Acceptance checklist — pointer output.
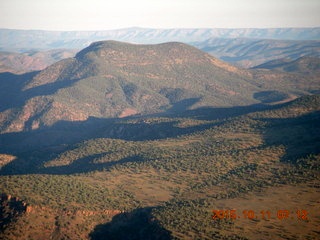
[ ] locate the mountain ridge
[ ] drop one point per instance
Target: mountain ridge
(303, 65)
(112, 79)
(32, 60)
(250, 52)
(19, 39)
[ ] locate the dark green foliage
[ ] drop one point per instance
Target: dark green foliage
(72, 192)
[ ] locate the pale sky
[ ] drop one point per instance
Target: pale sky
(104, 15)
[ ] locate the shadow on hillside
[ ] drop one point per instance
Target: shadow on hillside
(12, 94)
(136, 128)
(270, 96)
(182, 106)
(300, 136)
(136, 225)
(36, 147)
(11, 87)
(84, 165)
(33, 149)
(212, 113)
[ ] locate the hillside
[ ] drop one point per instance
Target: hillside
(114, 79)
(31, 60)
(167, 187)
(303, 65)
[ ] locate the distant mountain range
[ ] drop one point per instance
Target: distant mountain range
(32, 60)
(245, 53)
(250, 52)
(19, 40)
(28, 50)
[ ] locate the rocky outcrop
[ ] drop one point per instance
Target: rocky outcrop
(11, 208)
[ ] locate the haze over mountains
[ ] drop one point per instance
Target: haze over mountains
(20, 39)
(242, 47)
(32, 60)
(250, 52)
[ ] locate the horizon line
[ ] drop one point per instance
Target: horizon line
(151, 28)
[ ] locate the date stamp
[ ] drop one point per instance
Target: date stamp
(281, 214)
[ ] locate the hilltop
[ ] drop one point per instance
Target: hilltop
(115, 79)
(31, 49)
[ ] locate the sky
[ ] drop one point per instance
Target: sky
(76, 15)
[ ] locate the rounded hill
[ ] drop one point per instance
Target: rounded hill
(117, 79)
